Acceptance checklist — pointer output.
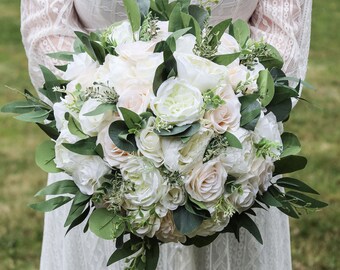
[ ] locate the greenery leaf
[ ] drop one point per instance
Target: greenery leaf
(174, 131)
(78, 220)
(233, 141)
(133, 13)
(132, 120)
(225, 59)
(152, 255)
(185, 221)
(63, 56)
(59, 187)
(246, 222)
(45, 155)
(273, 59)
(290, 164)
(34, 116)
(106, 224)
(265, 84)
(51, 204)
(240, 31)
(250, 109)
(200, 14)
(49, 129)
(75, 128)
(19, 107)
(291, 144)
(304, 200)
(122, 253)
(102, 108)
(220, 28)
(85, 147)
(119, 134)
(295, 184)
(280, 110)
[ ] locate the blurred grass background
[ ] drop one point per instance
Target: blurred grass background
(315, 237)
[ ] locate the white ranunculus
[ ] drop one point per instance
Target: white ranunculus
(91, 125)
(82, 66)
(148, 183)
(239, 161)
(206, 182)
(114, 156)
(174, 197)
(88, 172)
(227, 116)
(185, 44)
(177, 102)
(121, 33)
(167, 232)
(228, 45)
(264, 169)
(198, 71)
(183, 157)
(149, 143)
(144, 222)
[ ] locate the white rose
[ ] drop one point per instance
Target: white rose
(91, 125)
(148, 183)
(121, 33)
(144, 222)
(114, 156)
(167, 232)
(237, 74)
(59, 110)
(239, 161)
(206, 182)
(177, 102)
(185, 44)
(228, 45)
(135, 51)
(264, 169)
(88, 172)
(82, 66)
(174, 197)
(244, 197)
(134, 99)
(149, 143)
(227, 116)
(210, 226)
(183, 157)
(198, 71)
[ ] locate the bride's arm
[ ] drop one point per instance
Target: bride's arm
(285, 24)
(46, 26)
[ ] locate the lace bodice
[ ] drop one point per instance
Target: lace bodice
(48, 25)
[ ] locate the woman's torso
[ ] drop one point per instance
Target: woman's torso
(96, 14)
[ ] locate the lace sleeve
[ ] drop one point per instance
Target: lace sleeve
(285, 24)
(46, 26)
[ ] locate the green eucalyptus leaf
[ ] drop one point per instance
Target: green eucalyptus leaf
(63, 56)
(291, 144)
(199, 13)
(240, 31)
(117, 132)
(175, 19)
(246, 222)
(144, 7)
(50, 130)
(51, 204)
(45, 155)
(233, 141)
(288, 209)
(290, 164)
(220, 28)
(86, 41)
(19, 107)
(75, 211)
(201, 241)
(105, 224)
(122, 253)
(295, 184)
(269, 199)
(75, 128)
(81, 198)
(280, 110)
(85, 147)
(152, 255)
(304, 200)
(132, 120)
(34, 116)
(59, 187)
(185, 221)
(225, 59)
(102, 108)
(250, 109)
(133, 13)
(273, 59)
(266, 88)
(176, 131)
(78, 220)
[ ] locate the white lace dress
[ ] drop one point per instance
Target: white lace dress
(48, 25)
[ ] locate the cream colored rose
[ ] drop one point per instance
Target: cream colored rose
(167, 232)
(227, 116)
(121, 33)
(185, 44)
(147, 183)
(237, 74)
(174, 197)
(244, 197)
(149, 143)
(114, 156)
(177, 102)
(264, 169)
(206, 182)
(198, 71)
(135, 99)
(183, 157)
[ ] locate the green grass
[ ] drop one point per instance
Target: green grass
(315, 237)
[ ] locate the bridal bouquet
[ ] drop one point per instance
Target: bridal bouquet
(167, 129)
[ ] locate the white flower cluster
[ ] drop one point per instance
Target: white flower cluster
(167, 171)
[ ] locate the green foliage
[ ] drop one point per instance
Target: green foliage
(86, 146)
(250, 111)
(59, 187)
(266, 88)
(240, 31)
(45, 155)
(186, 221)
